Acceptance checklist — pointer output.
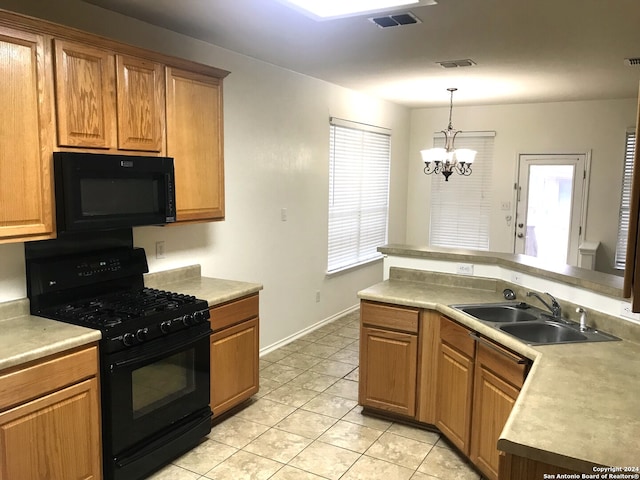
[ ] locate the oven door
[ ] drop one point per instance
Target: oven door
(149, 388)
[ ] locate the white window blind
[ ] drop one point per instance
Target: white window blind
(359, 158)
(461, 207)
(625, 201)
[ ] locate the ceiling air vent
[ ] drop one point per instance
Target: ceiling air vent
(456, 63)
(632, 62)
(395, 20)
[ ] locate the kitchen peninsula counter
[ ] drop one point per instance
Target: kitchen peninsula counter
(579, 405)
(25, 337)
(594, 281)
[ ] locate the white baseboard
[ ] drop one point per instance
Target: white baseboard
(303, 332)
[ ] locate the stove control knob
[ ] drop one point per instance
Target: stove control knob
(128, 339)
(199, 317)
(142, 334)
(165, 327)
(188, 320)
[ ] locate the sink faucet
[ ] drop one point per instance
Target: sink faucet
(554, 308)
(583, 319)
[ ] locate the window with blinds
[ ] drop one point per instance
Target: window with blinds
(625, 201)
(461, 207)
(359, 160)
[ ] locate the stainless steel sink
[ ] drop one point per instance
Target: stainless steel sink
(544, 332)
(502, 313)
(530, 324)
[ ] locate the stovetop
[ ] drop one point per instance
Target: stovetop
(130, 318)
(103, 288)
(109, 310)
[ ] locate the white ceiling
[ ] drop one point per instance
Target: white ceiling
(526, 51)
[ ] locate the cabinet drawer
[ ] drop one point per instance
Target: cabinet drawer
(234, 312)
(457, 336)
(508, 365)
(388, 316)
(22, 385)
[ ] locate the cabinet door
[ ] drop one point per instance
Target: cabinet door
(85, 96)
(388, 364)
(25, 137)
(194, 140)
(513, 467)
(56, 437)
(234, 365)
(454, 392)
(141, 104)
(498, 379)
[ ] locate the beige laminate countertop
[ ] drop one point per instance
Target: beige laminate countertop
(25, 337)
(580, 404)
(597, 282)
(188, 280)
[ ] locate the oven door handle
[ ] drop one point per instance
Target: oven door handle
(159, 353)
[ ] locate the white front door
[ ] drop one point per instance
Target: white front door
(550, 207)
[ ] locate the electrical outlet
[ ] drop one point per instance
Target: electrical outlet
(516, 277)
(317, 296)
(465, 269)
(283, 214)
(160, 249)
(625, 311)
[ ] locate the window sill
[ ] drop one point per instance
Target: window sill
(354, 266)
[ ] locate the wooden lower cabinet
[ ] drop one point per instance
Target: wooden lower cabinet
(389, 358)
(422, 365)
(499, 375)
(454, 385)
(54, 436)
(234, 353)
(513, 467)
(388, 370)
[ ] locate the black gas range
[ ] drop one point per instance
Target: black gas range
(154, 352)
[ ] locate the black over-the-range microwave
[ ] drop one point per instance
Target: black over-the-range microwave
(97, 191)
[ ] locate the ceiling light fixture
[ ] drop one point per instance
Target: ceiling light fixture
(328, 9)
(448, 159)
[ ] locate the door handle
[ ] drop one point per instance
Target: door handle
(520, 235)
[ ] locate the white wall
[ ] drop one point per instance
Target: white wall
(276, 156)
(565, 127)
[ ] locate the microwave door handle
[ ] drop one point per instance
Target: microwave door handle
(155, 355)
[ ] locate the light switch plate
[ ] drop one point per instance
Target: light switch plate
(160, 249)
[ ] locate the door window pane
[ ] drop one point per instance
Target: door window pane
(549, 212)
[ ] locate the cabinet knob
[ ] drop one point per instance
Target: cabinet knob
(520, 235)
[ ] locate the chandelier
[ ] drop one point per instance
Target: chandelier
(448, 159)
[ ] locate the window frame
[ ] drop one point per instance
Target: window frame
(479, 183)
(364, 172)
(630, 144)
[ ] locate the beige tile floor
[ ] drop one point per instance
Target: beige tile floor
(306, 425)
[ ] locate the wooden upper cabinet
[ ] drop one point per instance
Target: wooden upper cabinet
(194, 140)
(141, 104)
(25, 137)
(85, 95)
